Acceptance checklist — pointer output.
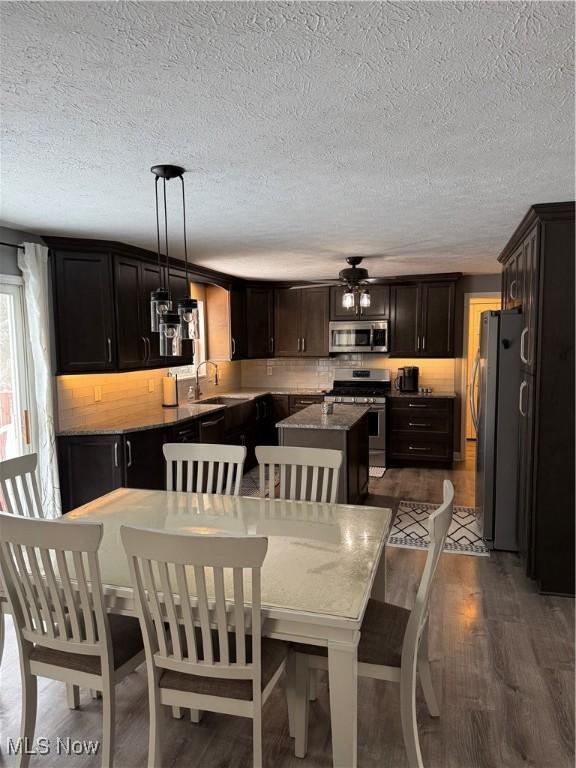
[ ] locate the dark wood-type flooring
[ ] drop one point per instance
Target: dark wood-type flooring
(502, 662)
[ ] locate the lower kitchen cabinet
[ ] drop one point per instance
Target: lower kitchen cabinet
(90, 466)
(299, 402)
(420, 431)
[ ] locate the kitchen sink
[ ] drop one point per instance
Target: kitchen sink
(229, 402)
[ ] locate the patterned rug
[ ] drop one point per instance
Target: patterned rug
(376, 471)
(410, 529)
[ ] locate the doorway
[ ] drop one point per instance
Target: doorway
(15, 435)
(475, 304)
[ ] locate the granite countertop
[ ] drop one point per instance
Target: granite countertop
(251, 392)
(417, 394)
(344, 417)
(156, 417)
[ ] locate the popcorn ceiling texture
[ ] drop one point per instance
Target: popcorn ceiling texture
(416, 131)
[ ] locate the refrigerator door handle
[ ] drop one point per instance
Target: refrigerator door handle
(521, 397)
(473, 410)
(522, 339)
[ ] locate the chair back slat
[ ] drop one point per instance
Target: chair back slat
(296, 482)
(19, 487)
(201, 585)
(204, 468)
(438, 526)
(53, 583)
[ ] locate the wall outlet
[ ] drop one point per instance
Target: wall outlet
(150, 385)
(97, 394)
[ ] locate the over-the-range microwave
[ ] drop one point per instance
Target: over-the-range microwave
(360, 336)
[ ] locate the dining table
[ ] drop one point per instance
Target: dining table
(322, 565)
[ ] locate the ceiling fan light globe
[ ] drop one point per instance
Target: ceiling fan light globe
(348, 299)
(365, 299)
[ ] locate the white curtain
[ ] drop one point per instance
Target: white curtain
(34, 265)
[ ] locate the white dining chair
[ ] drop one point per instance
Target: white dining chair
(52, 579)
(196, 607)
(20, 496)
(202, 468)
(393, 647)
(306, 474)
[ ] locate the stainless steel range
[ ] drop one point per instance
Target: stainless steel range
(365, 386)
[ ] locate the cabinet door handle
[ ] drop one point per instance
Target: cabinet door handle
(418, 343)
(233, 346)
(417, 405)
(413, 448)
(149, 348)
(109, 349)
(522, 340)
(513, 294)
(212, 423)
(416, 424)
(303, 344)
(423, 343)
(129, 446)
(271, 345)
(145, 348)
(115, 454)
(521, 398)
(298, 344)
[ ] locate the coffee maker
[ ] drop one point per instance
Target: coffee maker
(407, 379)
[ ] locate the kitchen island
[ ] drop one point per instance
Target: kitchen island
(346, 430)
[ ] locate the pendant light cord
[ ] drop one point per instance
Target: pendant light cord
(158, 230)
(166, 240)
(184, 220)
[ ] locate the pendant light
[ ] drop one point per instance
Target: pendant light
(365, 298)
(348, 298)
(187, 308)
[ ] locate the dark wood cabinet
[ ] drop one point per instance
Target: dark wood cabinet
(540, 257)
(144, 460)
(151, 277)
(420, 431)
(379, 308)
(238, 341)
(404, 305)
(130, 328)
(89, 466)
(259, 322)
(301, 322)
(299, 402)
(422, 319)
(436, 336)
(84, 310)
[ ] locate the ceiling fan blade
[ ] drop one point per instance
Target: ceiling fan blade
(313, 284)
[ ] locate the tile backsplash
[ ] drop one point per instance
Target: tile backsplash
(89, 398)
(319, 372)
(85, 399)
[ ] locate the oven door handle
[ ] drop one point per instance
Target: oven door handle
(371, 337)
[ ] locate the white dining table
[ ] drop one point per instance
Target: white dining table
(319, 572)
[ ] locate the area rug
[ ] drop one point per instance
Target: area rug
(410, 529)
(376, 471)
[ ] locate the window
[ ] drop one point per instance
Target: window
(188, 371)
(15, 437)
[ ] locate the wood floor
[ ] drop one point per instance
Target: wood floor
(502, 661)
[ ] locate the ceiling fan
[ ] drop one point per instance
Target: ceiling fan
(353, 279)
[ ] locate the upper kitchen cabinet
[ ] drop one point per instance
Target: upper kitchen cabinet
(259, 321)
(422, 318)
(84, 311)
(379, 308)
(404, 312)
(132, 334)
(437, 319)
(301, 322)
(225, 323)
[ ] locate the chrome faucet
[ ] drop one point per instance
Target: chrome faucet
(194, 392)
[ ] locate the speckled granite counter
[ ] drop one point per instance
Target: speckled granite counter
(250, 392)
(343, 418)
(157, 417)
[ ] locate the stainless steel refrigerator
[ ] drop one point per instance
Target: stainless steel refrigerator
(494, 406)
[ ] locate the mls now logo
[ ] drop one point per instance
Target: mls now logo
(44, 746)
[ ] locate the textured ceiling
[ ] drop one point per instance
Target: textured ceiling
(415, 132)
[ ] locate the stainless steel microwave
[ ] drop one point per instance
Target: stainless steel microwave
(360, 336)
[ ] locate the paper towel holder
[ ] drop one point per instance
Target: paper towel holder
(170, 391)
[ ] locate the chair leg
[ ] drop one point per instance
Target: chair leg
(313, 685)
(177, 713)
(108, 722)
(196, 715)
(425, 675)
(96, 694)
(257, 735)
(28, 720)
(290, 683)
(73, 696)
(155, 727)
(301, 705)
(408, 713)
